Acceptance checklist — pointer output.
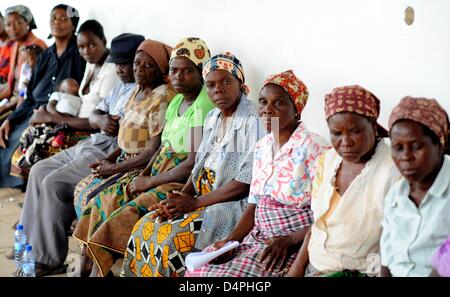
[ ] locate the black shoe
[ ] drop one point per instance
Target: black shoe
(44, 270)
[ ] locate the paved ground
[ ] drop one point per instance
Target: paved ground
(9, 214)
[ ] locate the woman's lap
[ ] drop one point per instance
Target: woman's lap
(159, 249)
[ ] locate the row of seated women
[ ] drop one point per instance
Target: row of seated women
(183, 161)
(24, 98)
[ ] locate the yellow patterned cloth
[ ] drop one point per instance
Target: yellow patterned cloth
(192, 48)
(159, 249)
(144, 119)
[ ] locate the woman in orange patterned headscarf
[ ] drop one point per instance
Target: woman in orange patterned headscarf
(278, 214)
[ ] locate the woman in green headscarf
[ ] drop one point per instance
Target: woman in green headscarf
(211, 202)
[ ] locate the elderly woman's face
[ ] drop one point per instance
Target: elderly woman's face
(184, 75)
(275, 107)
(352, 136)
(223, 89)
(16, 27)
(414, 152)
(125, 72)
(91, 47)
(145, 69)
(60, 23)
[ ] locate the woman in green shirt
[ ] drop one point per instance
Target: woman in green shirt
(107, 222)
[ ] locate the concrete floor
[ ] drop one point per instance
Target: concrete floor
(9, 214)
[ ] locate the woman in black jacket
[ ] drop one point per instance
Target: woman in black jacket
(60, 61)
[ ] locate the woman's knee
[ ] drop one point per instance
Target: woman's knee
(37, 171)
(50, 180)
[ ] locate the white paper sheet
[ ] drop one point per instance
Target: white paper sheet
(196, 260)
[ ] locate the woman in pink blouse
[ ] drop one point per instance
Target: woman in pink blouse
(278, 214)
(441, 260)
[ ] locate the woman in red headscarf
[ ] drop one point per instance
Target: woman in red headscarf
(350, 183)
(416, 209)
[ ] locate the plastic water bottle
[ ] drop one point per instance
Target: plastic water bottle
(19, 245)
(28, 262)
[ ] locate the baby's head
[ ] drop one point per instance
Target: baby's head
(31, 53)
(69, 86)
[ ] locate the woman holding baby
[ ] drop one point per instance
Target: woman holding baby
(65, 119)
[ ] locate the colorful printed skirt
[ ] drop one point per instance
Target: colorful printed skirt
(159, 249)
(91, 186)
(21, 168)
(272, 218)
(108, 219)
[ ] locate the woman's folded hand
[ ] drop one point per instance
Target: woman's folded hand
(277, 252)
(139, 184)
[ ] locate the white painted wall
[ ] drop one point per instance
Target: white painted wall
(327, 43)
